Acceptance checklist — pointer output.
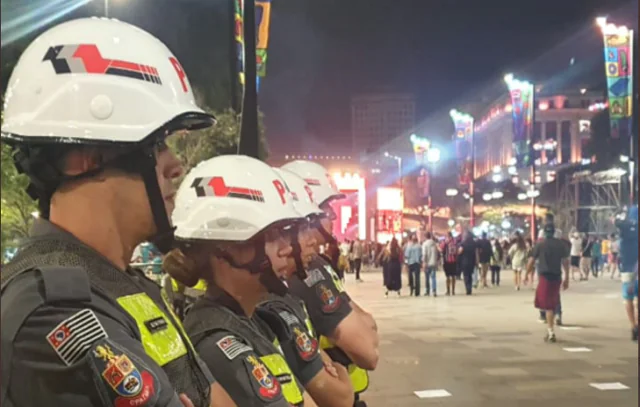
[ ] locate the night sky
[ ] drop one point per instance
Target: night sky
(323, 51)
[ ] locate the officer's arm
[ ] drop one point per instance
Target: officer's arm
(332, 316)
(240, 371)
(80, 355)
(328, 390)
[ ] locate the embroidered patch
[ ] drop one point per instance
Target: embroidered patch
(73, 337)
(128, 383)
(307, 347)
(264, 384)
(232, 347)
(330, 302)
(289, 318)
(313, 277)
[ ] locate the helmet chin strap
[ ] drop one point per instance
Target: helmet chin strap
(297, 253)
(328, 237)
(259, 265)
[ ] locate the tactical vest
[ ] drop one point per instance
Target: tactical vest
(359, 376)
(170, 347)
(204, 320)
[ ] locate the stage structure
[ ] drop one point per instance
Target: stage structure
(587, 201)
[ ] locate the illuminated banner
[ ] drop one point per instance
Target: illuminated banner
(263, 20)
(463, 135)
(618, 59)
(522, 111)
(421, 151)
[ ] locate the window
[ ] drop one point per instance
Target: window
(551, 134)
(565, 141)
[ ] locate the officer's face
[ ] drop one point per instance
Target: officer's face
(308, 243)
(168, 169)
(278, 249)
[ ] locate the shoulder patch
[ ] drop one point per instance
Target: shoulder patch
(330, 302)
(123, 379)
(232, 347)
(313, 277)
(289, 318)
(74, 336)
(263, 383)
(307, 346)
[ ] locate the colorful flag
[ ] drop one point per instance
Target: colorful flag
(263, 20)
(522, 110)
(618, 58)
(463, 136)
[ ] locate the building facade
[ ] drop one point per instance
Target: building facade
(562, 126)
(378, 118)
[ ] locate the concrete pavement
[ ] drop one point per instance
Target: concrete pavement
(488, 349)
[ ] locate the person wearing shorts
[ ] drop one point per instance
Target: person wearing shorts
(576, 252)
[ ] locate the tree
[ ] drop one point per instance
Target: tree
(17, 206)
(220, 139)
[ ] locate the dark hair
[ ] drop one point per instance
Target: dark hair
(520, 242)
(394, 248)
(188, 264)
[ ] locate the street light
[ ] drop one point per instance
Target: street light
(433, 155)
(497, 194)
(487, 197)
(451, 192)
(451, 223)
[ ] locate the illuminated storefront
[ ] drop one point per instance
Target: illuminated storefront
(390, 203)
(351, 211)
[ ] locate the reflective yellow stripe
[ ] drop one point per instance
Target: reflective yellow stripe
(201, 286)
(359, 378)
(325, 343)
(307, 321)
(162, 346)
(279, 367)
(335, 278)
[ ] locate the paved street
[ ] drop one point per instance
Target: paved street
(488, 349)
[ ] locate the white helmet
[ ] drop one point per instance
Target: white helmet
(300, 192)
(96, 80)
(318, 178)
(231, 198)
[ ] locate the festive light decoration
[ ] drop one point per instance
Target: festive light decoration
(618, 58)
(522, 93)
(463, 125)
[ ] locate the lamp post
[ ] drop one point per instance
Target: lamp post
(433, 157)
(399, 161)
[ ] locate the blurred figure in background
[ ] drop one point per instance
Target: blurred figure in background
(391, 260)
(469, 259)
(576, 252)
(596, 256)
(430, 257)
(450, 261)
(518, 254)
(413, 260)
(585, 257)
(497, 260)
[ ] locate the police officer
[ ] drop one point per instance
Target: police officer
(88, 108)
(347, 333)
(329, 386)
(231, 217)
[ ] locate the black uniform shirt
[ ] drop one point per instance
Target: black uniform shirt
(299, 344)
(326, 301)
(236, 365)
(76, 347)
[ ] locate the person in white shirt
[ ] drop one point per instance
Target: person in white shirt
(430, 264)
(576, 253)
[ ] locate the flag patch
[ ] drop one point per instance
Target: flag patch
(73, 337)
(232, 347)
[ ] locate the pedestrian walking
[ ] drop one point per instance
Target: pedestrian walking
(450, 262)
(430, 256)
(518, 254)
(413, 260)
(469, 258)
(497, 259)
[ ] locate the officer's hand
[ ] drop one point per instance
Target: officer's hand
(331, 369)
(186, 402)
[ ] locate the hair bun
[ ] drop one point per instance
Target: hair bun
(181, 268)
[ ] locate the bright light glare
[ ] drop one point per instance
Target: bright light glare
(624, 158)
(497, 195)
(522, 196)
(486, 197)
(496, 178)
(497, 169)
(433, 155)
(506, 224)
(451, 223)
(451, 192)
(35, 214)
